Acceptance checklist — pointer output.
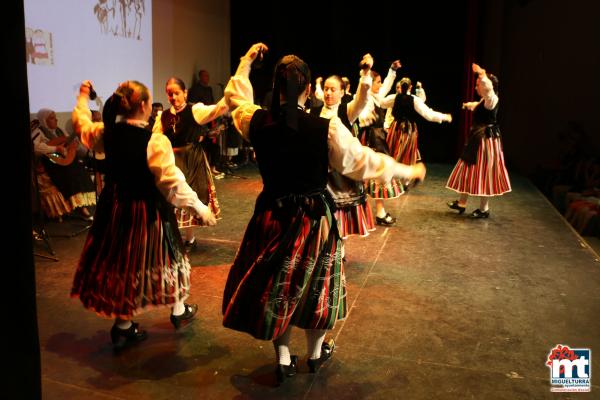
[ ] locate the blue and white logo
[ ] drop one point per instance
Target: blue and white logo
(570, 369)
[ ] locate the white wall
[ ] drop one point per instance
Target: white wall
(190, 35)
(187, 35)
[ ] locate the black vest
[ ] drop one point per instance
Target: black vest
(126, 162)
(404, 108)
(483, 116)
(181, 128)
(290, 162)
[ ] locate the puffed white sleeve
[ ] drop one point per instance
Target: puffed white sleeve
(319, 91)
(359, 102)
(239, 96)
(90, 133)
(157, 127)
(428, 113)
(203, 113)
(490, 98)
(168, 178)
(387, 84)
(350, 158)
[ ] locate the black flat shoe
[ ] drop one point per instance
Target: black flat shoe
(286, 371)
(326, 353)
(122, 338)
(454, 205)
(190, 244)
(181, 320)
(386, 221)
(480, 214)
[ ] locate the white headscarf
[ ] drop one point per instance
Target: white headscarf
(42, 116)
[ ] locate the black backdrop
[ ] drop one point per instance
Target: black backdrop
(428, 38)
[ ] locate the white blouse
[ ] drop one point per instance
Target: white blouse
(202, 113)
(420, 107)
(346, 154)
(161, 161)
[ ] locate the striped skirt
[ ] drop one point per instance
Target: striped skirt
(402, 140)
(288, 270)
(132, 258)
(487, 177)
(355, 220)
(192, 161)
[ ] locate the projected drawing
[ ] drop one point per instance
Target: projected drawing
(38, 47)
(121, 17)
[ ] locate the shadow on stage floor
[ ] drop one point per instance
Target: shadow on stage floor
(441, 306)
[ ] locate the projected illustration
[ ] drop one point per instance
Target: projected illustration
(120, 17)
(38, 46)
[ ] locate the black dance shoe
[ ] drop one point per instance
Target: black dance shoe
(454, 205)
(122, 338)
(480, 214)
(388, 220)
(286, 371)
(181, 320)
(326, 353)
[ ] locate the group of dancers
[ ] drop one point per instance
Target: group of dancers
(289, 268)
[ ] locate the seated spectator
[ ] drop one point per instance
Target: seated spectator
(55, 150)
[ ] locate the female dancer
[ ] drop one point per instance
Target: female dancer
(353, 212)
(133, 256)
(403, 136)
(480, 171)
(372, 134)
(288, 270)
(181, 124)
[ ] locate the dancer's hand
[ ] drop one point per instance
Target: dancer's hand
(367, 62)
(205, 215)
(478, 70)
(85, 88)
(319, 80)
(419, 172)
(448, 118)
(396, 64)
(256, 49)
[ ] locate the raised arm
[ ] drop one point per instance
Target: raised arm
(239, 94)
(90, 133)
(359, 102)
(388, 82)
(319, 89)
(486, 88)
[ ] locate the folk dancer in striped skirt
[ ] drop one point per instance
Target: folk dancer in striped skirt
(133, 256)
(288, 270)
(181, 125)
(403, 135)
(480, 171)
(372, 134)
(353, 212)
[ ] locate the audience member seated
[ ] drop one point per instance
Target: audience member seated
(57, 153)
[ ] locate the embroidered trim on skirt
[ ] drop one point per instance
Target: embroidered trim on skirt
(377, 190)
(288, 270)
(487, 177)
(355, 220)
(132, 259)
(402, 141)
(193, 162)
